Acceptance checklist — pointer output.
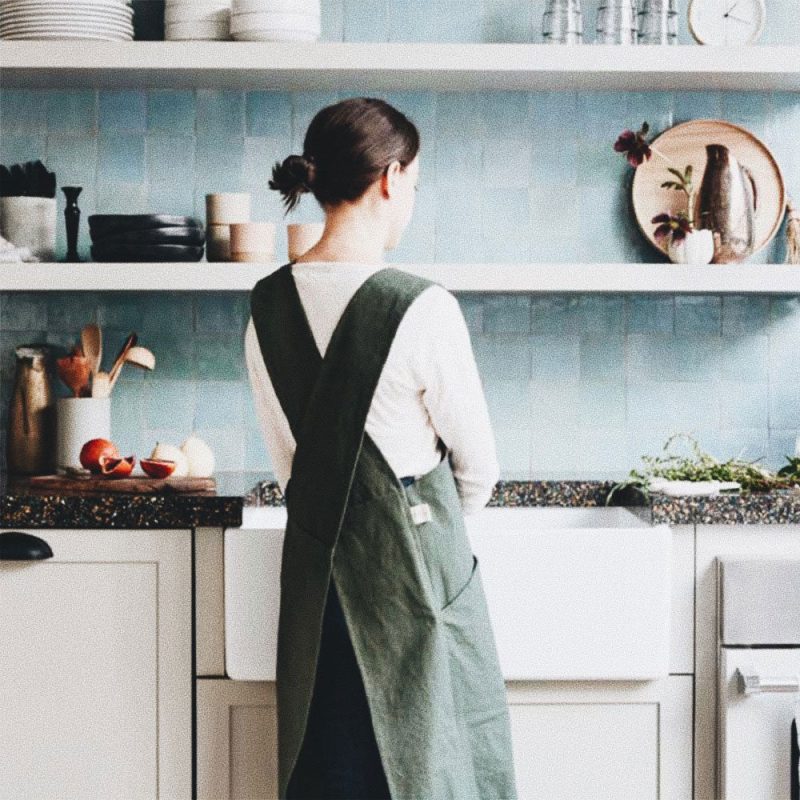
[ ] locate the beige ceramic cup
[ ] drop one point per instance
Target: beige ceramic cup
(252, 241)
(222, 209)
(302, 236)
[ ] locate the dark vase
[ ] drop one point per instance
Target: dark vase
(72, 217)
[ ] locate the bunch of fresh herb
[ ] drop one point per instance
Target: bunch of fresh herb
(702, 466)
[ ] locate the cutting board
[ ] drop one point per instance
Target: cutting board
(137, 484)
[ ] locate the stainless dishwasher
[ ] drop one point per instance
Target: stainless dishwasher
(758, 671)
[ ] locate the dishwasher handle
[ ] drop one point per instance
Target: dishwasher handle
(21, 546)
(753, 683)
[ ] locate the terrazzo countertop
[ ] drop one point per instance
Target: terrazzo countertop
(235, 490)
(749, 508)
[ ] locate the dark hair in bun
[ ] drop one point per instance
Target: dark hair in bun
(348, 145)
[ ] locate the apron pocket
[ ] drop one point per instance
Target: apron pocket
(465, 588)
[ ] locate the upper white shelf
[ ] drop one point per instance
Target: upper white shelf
(395, 65)
(502, 277)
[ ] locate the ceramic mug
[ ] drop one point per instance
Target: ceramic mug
(252, 241)
(302, 236)
(30, 222)
(79, 419)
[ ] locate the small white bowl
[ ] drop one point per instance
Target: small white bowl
(260, 21)
(275, 36)
(273, 6)
(209, 14)
(196, 30)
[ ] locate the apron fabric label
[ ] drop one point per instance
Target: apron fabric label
(421, 513)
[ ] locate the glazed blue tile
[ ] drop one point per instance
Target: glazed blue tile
(673, 405)
(506, 114)
(219, 165)
(458, 228)
(23, 311)
(472, 304)
(744, 314)
(556, 314)
(554, 407)
(332, 20)
(657, 108)
(458, 115)
(169, 404)
(698, 104)
(507, 163)
(508, 402)
(219, 404)
(177, 307)
(227, 444)
(745, 358)
(601, 404)
(73, 159)
(73, 111)
(599, 166)
(170, 170)
(18, 148)
(556, 249)
(602, 313)
(506, 356)
(120, 310)
(507, 313)
(171, 111)
(366, 21)
(599, 218)
(269, 113)
(554, 161)
(120, 158)
(70, 311)
(507, 21)
(750, 444)
(220, 114)
(749, 109)
(650, 313)
(554, 112)
(697, 356)
(744, 405)
(459, 162)
(435, 20)
(602, 115)
(216, 311)
(555, 357)
(513, 447)
(213, 359)
(784, 410)
(781, 446)
(22, 111)
(698, 314)
(505, 239)
(602, 358)
(123, 111)
(256, 455)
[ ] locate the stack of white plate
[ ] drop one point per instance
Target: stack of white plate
(111, 20)
(275, 20)
(197, 19)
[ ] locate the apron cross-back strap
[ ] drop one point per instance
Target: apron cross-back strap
(326, 400)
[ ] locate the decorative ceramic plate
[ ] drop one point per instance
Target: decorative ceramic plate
(684, 144)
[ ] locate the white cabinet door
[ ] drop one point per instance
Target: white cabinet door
(96, 667)
(592, 742)
(237, 740)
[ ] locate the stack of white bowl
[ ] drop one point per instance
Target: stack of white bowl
(197, 19)
(275, 20)
(109, 20)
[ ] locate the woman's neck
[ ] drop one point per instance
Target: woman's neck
(351, 234)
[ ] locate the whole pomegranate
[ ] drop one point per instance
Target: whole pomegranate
(92, 451)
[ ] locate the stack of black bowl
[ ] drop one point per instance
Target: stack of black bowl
(146, 237)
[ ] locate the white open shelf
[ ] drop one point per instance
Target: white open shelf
(395, 65)
(501, 277)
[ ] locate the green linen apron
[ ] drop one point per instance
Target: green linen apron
(409, 584)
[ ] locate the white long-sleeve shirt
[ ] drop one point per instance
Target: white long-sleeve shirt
(429, 384)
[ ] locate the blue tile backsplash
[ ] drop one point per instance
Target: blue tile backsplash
(578, 385)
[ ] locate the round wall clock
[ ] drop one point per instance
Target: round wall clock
(726, 21)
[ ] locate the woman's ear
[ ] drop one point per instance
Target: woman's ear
(389, 179)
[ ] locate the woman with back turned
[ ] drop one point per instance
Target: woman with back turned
(388, 683)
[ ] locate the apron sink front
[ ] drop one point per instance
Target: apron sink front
(573, 593)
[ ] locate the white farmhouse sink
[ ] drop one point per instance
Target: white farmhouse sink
(573, 593)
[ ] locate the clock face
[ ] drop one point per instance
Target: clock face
(728, 22)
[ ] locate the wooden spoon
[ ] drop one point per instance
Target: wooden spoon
(118, 361)
(140, 356)
(92, 344)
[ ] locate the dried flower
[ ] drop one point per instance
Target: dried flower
(676, 224)
(634, 145)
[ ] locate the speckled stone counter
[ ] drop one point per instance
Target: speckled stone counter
(43, 509)
(753, 508)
